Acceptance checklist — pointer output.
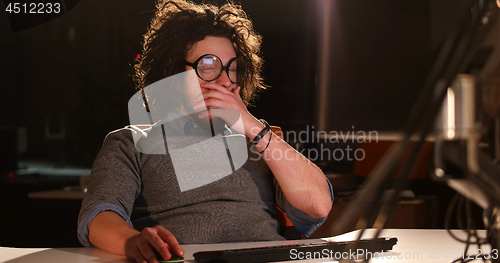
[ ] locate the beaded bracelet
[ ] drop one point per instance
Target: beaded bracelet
(262, 133)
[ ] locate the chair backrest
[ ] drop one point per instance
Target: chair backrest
(374, 151)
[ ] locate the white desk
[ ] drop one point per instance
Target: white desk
(415, 244)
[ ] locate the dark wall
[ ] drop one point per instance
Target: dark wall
(71, 74)
(290, 50)
(380, 53)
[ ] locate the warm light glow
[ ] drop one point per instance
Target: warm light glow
(11, 175)
(439, 172)
(450, 102)
(450, 133)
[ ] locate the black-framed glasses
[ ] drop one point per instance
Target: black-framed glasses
(209, 67)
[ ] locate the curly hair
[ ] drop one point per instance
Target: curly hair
(178, 24)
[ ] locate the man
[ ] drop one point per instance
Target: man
(136, 203)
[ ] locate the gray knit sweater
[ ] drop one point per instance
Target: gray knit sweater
(143, 190)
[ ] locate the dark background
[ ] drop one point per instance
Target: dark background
(65, 84)
(73, 73)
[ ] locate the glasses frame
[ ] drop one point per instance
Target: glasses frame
(194, 65)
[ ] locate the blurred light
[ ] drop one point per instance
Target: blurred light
(451, 113)
(485, 20)
(498, 3)
(11, 175)
(439, 172)
(451, 133)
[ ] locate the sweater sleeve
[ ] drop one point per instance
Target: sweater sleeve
(115, 181)
(300, 220)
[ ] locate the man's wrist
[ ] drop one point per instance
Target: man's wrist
(253, 127)
(262, 132)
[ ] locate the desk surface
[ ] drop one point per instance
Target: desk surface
(414, 245)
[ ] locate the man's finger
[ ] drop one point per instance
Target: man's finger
(161, 247)
(214, 103)
(237, 90)
(140, 259)
(147, 252)
(214, 86)
(201, 101)
(212, 94)
(172, 242)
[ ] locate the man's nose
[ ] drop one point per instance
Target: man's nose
(224, 80)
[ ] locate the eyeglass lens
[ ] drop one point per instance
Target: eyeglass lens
(210, 67)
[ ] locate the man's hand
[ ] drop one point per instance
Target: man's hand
(141, 246)
(223, 103)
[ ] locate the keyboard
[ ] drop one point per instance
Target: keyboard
(324, 250)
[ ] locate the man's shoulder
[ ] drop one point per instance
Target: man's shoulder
(125, 135)
(126, 131)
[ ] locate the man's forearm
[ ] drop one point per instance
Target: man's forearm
(109, 232)
(302, 182)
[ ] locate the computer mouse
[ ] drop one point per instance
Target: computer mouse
(173, 258)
